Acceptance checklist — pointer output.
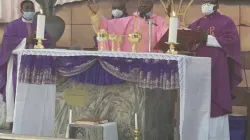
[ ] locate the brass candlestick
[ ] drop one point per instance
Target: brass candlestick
(136, 134)
(102, 36)
(39, 44)
(134, 38)
(112, 37)
(172, 48)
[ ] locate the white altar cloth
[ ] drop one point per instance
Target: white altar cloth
(195, 92)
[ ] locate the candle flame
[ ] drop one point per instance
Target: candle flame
(41, 11)
(173, 14)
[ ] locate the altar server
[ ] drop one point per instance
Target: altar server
(135, 23)
(221, 42)
(18, 34)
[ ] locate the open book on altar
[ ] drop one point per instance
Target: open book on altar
(186, 39)
(91, 121)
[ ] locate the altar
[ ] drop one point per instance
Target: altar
(123, 82)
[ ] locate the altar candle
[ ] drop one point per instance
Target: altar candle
(70, 116)
(136, 122)
(173, 28)
(40, 28)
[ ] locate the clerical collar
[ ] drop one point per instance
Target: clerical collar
(26, 21)
(212, 15)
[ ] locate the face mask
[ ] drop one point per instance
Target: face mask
(207, 8)
(117, 13)
(28, 15)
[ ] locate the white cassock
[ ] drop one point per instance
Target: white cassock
(218, 126)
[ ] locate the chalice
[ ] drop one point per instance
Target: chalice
(112, 37)
(134, 38)
(102, 37)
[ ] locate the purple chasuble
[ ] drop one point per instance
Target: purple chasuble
(14, 33)
(226, 67)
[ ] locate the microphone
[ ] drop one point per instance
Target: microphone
(147, 18)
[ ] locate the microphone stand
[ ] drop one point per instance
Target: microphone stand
(150, 22)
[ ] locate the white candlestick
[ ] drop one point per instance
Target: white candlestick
(173, 28)
(40, 28)
(136, 122)
(70, 116)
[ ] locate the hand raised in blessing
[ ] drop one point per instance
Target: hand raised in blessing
(93, 7)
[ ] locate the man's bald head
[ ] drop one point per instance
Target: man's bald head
(27, 4)
(145, 6)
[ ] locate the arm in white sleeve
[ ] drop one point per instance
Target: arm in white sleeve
(212, 41)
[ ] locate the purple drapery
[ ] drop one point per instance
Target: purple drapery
(146, 73)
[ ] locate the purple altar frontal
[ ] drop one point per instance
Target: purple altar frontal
(100, 70)
(150, 71)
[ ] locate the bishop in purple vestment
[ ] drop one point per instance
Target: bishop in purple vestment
(221, 42)
(14, 34)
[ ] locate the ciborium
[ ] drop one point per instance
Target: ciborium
(134, 38)
(112, 37)
(102, 37)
